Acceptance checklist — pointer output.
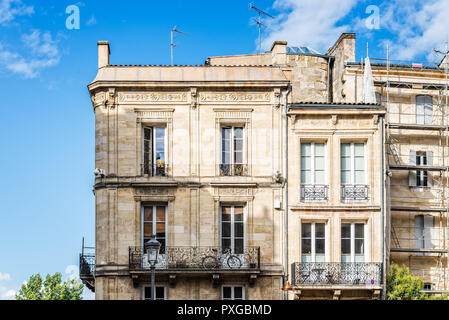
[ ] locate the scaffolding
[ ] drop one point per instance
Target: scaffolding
(401, 126)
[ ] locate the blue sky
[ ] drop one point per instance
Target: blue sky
(47, 128)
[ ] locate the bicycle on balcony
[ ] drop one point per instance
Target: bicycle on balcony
(226, 259)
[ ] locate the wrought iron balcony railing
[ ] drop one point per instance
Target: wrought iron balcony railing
(354, 192)
(227, 169)
(197, 258)
(87, 264)
(335, 273)
(314, 192)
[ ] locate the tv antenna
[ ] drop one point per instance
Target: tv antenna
(172, 44)
(259, 22)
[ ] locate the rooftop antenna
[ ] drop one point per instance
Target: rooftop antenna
(259, 23)
(172, 44)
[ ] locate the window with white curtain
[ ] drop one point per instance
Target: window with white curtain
(352, 242)
(313, 163)
(352, 163)
(313, 242)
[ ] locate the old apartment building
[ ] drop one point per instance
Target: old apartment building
(252, 170)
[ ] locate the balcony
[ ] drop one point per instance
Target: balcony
(210, 259)
(336, 274)
(314, 192)
(233, 169)
(351, 192)
(87, 267)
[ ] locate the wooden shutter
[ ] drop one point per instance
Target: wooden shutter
(419, 232)
(429, 238)
(148, 151)
(412, 173)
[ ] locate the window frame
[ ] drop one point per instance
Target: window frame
(154, 127)
(313, 240)
(232, 146)
(312, 163)
(352, 161)
(424, 115)
(352, 238)
(153, 205)
(232, 235)
(155, 287)
(233, 292)
(422, 176)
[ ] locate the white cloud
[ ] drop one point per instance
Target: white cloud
(9, 9)
(5, 276)
(42, 52)
(419, 26)
(7, 292)
(72, 271)
(308, 22)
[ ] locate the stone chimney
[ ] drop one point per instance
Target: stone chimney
(279, 53)
(103, 54)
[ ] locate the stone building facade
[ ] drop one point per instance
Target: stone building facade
(251, 170)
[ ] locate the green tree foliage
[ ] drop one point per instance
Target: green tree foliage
(401, 285)
(52, 288)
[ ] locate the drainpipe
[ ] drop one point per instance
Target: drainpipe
(285, 185)
(382, 206)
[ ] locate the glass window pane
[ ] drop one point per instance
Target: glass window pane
(238, 293)
(238, 229)
(238, 213)
(226, 145)
(148, 213)
(319, 150)
(359, 177)
(345, 258)
(160, 229)
(306, 246)
(306, 177)
(319, 163)
(345, 163)
(160, 213)
(238, 246)
(147, 229)
(345, 230)
(225, 157)
(147, 293)
(359, 258)
(319, 246)
(346, 149)
(359, 246)
(160, 293)
(359, 163)
(345, 246)
(238, 145)
(306, 258)
(227, 293)
(238, 157)
(320, 257)
(238, 132)
(359, 230)
(345, 177)
(320, 230)
(306, 230)
(359, 149)
(225, 244)
(306, 163)
(226, 229)
(306, 149)
(320, 177)
(226, 213)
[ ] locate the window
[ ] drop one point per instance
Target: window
(313, 242)
(160, 293)
(352, 242)
(378, 98)
(352, 163)
(427, 287)
(420, 178)
(313, 163)
(232, 152)
(424, 109)
(154, 224)
(233, 229)
(154, 157)
(424, 230)
(233, 293)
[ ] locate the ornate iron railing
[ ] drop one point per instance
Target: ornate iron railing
(233, 169)
(87, 264)
(197, 258)
(314, 192)
(353, 192)
(335, 273)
